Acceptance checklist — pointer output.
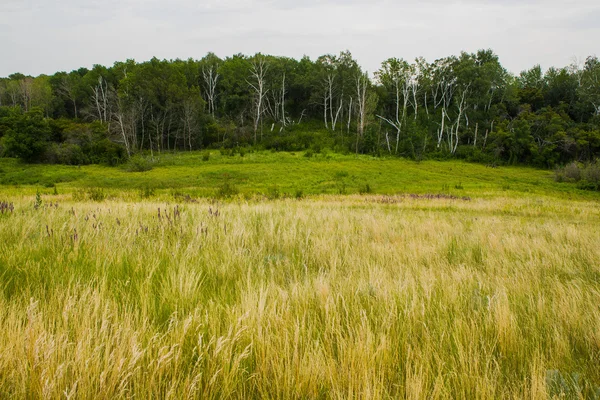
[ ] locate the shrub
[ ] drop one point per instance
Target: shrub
(38, 200)
(96, 194)
(572, 172)
(146, 192)
(138, 164)
(273, 193)
(587, 176)
(227, 190)
(206, 156)
(27, 135)
(65, 153)
(79, 195)
(591, 173)
(365, 189)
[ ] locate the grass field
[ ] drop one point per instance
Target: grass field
(286, 173)
(489, 288)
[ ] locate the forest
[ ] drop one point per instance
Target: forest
(466, 107)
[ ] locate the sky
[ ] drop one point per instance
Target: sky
(46, 36)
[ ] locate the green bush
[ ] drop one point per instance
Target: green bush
(139, 164)
(366, 189)
(146, 192)
(26, 135)
(79, 195)
(587, 176)
(227, 190)
(572, 172)
(591, 173)
(65, 153)
(96, 194)
(273, 193)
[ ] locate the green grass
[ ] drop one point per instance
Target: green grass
(288, 173)
(120, 286)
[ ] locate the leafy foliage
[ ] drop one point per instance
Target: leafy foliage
(465, 106)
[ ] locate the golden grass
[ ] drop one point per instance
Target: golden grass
(329, 297)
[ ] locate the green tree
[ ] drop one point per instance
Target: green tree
(26, 134)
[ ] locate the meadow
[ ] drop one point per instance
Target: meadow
(281, 173)
(275, 275)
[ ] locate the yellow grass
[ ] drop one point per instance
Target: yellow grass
(328, 297)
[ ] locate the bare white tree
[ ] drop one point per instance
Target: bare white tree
(412, 82)
(442, 93)
(394, 74)
(276, 103)
(333, 100)
(100, 100)
(331, 96)
(257, 82)
(124, 125)
(211, 78)
(453, 137)
(362, 82)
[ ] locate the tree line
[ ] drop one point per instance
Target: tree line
(467, 106)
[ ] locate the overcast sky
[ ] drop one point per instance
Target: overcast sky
(45, 36)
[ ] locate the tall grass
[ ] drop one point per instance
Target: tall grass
(331, 297)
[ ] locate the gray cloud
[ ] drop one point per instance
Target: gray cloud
(43, 36)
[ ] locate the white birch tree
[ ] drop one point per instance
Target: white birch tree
(257, 81)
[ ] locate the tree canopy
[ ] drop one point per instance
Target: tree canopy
(465, 106)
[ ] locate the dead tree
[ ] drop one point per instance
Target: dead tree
(257, 82)
(211, 78)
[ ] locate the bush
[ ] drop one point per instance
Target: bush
(592, 173)
(366, 189)
(273, 193)
(572, 172)
(587, 176)
(27, 135)
(106, 152)
(65, 153)
(79, 195)
(227, 190)
(472, 154)
(38, 200)
(146, 192)
(139, 164)
(96, 194)
(206, 156)
(77, 143)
